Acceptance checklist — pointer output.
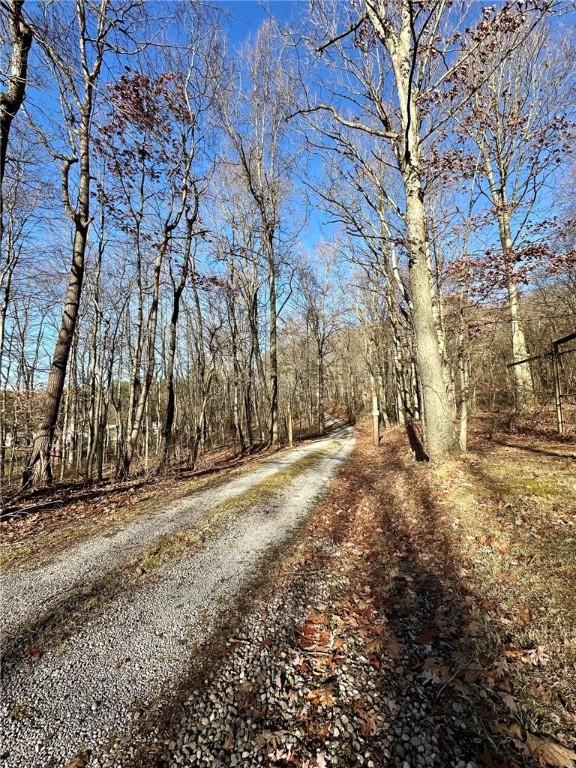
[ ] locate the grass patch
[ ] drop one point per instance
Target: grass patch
(516, 522)
(173, 545)
(108, 514)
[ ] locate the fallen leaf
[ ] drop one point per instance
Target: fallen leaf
(34, 652)
(369, 725)
(426, 637)
(523, 615)
(544, 750)
(80, 761)
(540, 693)
(550, 753)
(318, 731)
(374, 645)
(474, 628)
(510, 702)
(461, 687)
(512, 730)
(303, 667)
(491, 760)
(392, 646)
(537, 657)
(322, 696)
(435, 670)
(507, 576)
(246, 698)
(500, 670)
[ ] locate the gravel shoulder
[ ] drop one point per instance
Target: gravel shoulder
(90, 690)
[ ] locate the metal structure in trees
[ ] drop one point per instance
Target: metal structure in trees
(556, 352)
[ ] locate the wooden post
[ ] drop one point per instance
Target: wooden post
(375, 420)
(146, 436)
(290, 441)
(557, 393)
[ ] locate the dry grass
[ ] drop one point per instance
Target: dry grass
(513, 505)
(183, 542)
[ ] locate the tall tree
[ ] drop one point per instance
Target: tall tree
(12, 98)
(400, 36)
(516, 116)
(255, 121)
(76, 63)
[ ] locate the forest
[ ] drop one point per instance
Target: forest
(326, 249)
(204, 243)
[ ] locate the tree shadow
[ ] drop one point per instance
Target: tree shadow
(431, 689)
(416, 443)
(533, 449)
(441, 685)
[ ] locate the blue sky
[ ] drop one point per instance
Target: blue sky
(246, 15)
(241, 20)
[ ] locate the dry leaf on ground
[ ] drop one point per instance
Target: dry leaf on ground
(322, 696)
(80, 761)
(550, 753)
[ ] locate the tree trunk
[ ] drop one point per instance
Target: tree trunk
(320, 391)
(136, 425)
(11, 99)
(39, 470)
(438, 403)
(273, 344)
(523, 385)
(463, 376)
(290, 424)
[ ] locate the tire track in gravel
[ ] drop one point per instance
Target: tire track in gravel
(85, 692)
(32, 593)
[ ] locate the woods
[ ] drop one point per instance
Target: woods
(287, 383)
(212, 244)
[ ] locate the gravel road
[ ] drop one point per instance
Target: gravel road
(89, 691)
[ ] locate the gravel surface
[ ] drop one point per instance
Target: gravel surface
(345, 666)
(89, 693)
(260, 707)
(31, 593)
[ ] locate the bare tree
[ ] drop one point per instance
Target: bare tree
(516, 118)
(12, 98)
(255, 123)
(77, 75)
(397, 33)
